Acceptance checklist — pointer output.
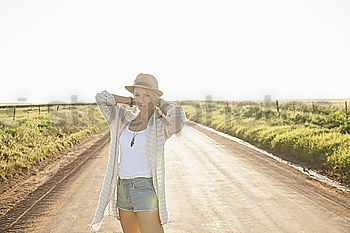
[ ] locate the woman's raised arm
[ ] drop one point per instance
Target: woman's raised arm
(109, 107)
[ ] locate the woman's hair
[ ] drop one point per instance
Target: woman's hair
(153, 94)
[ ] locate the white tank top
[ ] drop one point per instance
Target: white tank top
(133, 160)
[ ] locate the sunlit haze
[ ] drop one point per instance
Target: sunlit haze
(232, 50)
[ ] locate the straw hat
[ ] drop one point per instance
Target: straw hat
(145, 81)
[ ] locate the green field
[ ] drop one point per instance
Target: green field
(317, 136)
(29, 139)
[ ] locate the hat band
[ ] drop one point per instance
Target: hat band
(144, 84)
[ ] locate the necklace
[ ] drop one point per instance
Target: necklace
(133, 138)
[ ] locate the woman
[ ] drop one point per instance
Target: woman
(133, 189)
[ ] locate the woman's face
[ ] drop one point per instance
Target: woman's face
(143, 99)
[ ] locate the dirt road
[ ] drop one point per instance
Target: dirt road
(213, 185)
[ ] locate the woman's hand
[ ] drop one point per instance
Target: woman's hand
(163, 106)
(110, 100)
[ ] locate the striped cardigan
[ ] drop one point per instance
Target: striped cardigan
(159, 129)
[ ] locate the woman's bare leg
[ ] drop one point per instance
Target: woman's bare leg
(129, 221)
(149, 221)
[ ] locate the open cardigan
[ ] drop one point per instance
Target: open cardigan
(159, 129)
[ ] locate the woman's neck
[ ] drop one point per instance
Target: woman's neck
(144, 116)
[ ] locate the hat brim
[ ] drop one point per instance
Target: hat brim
(131, 89)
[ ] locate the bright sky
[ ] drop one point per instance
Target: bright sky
(51, 50)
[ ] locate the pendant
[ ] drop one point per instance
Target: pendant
(132, 141)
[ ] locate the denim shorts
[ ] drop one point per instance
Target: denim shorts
(136, 194)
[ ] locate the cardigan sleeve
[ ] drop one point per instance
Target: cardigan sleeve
(111, 110)
(174, 120)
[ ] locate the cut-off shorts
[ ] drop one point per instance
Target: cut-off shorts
(136, 194)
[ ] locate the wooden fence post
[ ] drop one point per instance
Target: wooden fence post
(346, 109)
(293, 107)
(278, 110)
(14, 112)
